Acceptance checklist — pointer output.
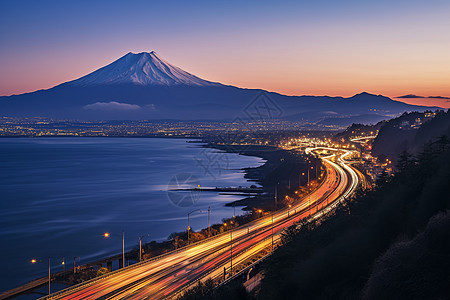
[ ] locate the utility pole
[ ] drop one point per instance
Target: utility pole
(231, 251)
(309, 204)
(272, 231)
(74, 263)
(209, 225)
(276, 192)
(140, 248)
(189, 228)
(49, 275)
(123, 249)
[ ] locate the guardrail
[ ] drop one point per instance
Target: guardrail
(24, 288)
(193, 283)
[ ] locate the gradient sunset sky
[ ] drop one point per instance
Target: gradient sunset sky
(322, 47)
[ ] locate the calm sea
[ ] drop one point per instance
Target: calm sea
(59, 195)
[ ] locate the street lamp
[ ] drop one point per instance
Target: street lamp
(189, 227)
(231, 250)
(260, 212)
(209, 225)
(308, 175)
(33, 261)
(299, 179)
(107, 235)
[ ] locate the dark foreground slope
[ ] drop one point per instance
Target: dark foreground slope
(390, 243)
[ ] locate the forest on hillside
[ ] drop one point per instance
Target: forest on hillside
(389, 243)
(410, 132)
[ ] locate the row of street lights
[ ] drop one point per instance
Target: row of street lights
(209, 232)
(63, 263)
(108, 235)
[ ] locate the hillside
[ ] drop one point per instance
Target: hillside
(410, 132)
(357, 130)
(390, 243)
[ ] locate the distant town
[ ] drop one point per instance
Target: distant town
(39, 126)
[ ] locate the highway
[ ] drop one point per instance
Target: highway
(167, 275)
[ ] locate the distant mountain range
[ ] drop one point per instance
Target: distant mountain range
(145, 86)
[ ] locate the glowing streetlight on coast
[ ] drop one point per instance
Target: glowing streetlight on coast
(34, 261)
(107, 235)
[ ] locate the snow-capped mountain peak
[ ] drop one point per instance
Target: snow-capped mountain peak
(146, 68)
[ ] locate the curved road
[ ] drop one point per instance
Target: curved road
(170, 273)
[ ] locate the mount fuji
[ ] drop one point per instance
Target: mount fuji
(141, 69)
(145, 86)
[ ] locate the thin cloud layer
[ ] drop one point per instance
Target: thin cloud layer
(411, 96)
(112, 106)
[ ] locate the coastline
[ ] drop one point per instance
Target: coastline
(281, 166)
(43, 149)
